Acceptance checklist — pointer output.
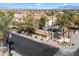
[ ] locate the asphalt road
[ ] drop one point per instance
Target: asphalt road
(27, 47)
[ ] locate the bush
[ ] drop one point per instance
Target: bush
(30, 30)
(42, 22)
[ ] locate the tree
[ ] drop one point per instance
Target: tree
(66, 19)
(71, 18)
(5, 19)
(76, 22)
(42, 22)
(28, 24)
(49, 13)
(62, 22)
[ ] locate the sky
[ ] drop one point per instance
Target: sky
(36, 5)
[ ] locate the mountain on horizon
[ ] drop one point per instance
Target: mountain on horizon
(69, 7)
(60, 7)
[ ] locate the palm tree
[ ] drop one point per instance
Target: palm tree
(62, 22)
(71, 18)
(65, 20)
(5, 19)
(76, 22)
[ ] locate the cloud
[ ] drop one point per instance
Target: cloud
(65, 4)
(37, 4)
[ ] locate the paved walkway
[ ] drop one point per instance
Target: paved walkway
(69, 51)
(14, 53)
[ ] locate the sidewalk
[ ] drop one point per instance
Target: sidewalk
(13, 53)
(5, 53)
